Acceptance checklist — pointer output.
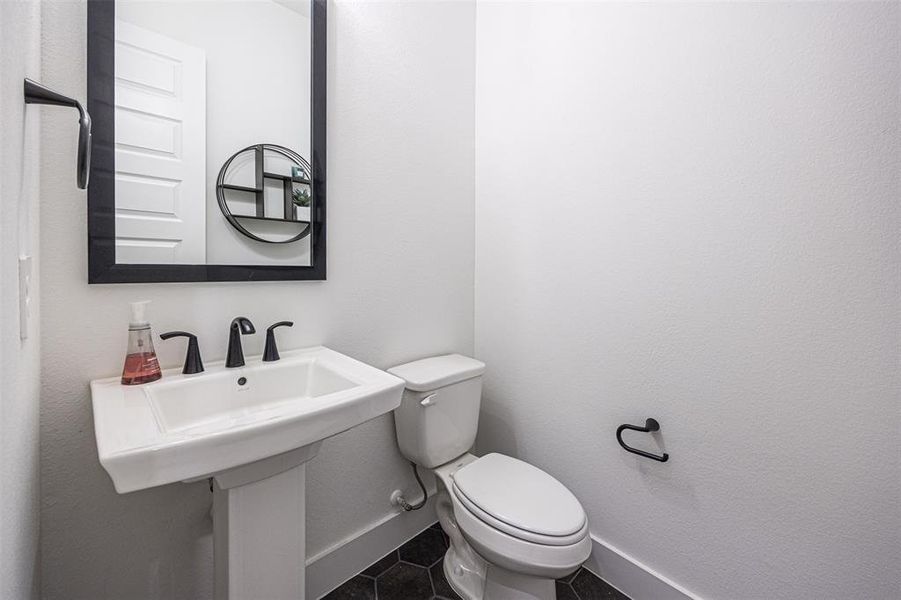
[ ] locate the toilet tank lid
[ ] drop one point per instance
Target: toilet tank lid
(438, 371)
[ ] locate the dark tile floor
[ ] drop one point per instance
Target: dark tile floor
(415, 572)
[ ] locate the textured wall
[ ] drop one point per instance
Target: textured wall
(691, 212)
(400, 287)
(20, 37)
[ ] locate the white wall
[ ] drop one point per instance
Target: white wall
(400, 258)
(690, 212)
(20, 36)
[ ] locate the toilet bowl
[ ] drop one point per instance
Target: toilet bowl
(513, 528)
(509, 544)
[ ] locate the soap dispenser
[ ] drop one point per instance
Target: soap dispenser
(141, 364)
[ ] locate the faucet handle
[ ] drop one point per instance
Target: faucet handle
(193, 363)
(270, 354)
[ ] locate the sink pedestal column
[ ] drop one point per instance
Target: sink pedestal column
(259, 528)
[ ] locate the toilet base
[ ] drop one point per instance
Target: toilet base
(463, 568)
(501, 584)
(473, 578)
(467, 582)
(496, 583)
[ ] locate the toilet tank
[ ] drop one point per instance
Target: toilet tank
(438, 416)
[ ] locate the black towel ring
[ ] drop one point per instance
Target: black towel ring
(649, 425)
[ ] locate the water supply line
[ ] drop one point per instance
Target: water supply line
(396, 497)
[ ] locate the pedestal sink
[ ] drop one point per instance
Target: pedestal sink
(250, 429)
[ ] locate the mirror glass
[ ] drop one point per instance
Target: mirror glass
(212, 133)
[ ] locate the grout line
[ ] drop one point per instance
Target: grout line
(573, 590)
(406, 562)
(428, 570)
(572, 576)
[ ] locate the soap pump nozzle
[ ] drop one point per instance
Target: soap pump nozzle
(139, 315)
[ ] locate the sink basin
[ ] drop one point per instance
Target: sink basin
(218, 401)
(184, 427)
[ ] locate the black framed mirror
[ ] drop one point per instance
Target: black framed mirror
(209, 146)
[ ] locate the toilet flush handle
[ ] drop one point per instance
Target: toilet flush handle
(428, 400)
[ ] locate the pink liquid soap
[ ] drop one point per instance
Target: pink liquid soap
(141, 367)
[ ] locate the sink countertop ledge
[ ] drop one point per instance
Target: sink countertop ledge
(184, 427)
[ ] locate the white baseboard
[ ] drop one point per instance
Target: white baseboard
(331, 567)
(634, 579)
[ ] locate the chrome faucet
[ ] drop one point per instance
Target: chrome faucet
(235, 356)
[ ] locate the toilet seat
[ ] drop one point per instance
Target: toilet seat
(508, 510)
(521, 500)
(521, 534)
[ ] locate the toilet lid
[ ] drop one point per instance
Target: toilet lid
(520, 495)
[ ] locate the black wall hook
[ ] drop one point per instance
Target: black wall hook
(35, 93)
(649, 425)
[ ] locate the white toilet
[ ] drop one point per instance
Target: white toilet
(513, 528)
